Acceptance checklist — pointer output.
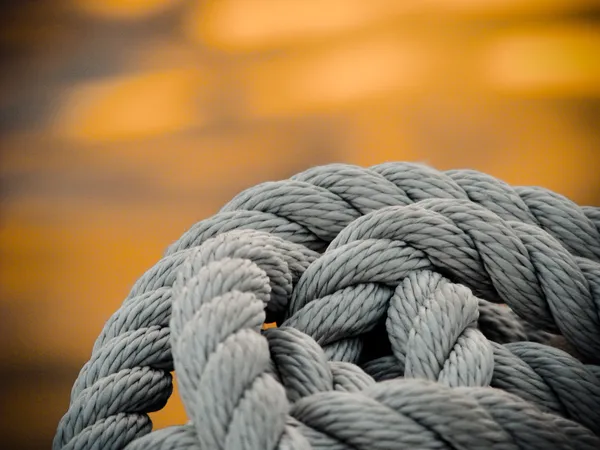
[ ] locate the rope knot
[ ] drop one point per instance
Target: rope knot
(413, 308)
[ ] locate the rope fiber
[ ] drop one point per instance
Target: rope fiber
(415, 309)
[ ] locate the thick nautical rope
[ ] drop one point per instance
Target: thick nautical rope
(312, 207)
(404, 292)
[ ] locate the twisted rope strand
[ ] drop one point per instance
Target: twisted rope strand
(555, 381)
(429, 323)
(313, 206)
(517, 263)
(235, 402)
(412, 262)
(137, 336)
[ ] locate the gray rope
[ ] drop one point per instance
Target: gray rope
(225, 371)
(137, 336)
(299, 386)
(313, 206)
(429, 324)
(517, 263)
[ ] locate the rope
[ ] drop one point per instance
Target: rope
(415, 309)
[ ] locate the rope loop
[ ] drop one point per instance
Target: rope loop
(413, 309)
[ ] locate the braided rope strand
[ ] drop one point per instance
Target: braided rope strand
(235, 402)
(517, 263)
(422, 413)
(313, 206)
(386, 285)
(146, 337)
(429, 325)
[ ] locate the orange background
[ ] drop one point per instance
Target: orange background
(123, 122)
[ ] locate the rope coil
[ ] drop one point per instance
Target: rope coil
(390, 288)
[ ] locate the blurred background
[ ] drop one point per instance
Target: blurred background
(124, 122)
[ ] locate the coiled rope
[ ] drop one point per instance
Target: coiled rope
(415, 309)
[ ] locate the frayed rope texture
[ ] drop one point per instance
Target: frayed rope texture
(415, 309)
